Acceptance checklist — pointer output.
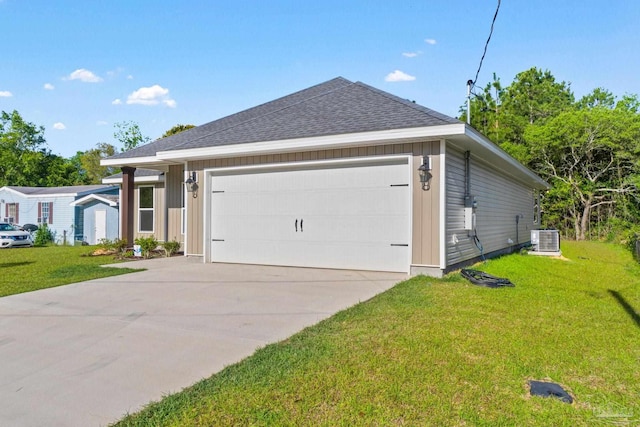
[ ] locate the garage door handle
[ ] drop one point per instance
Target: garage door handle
(296, 225)
(301, 230)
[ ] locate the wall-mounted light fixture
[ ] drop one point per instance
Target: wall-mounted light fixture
(425, 172)
(191, 185)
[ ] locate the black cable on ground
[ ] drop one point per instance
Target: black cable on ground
(481, 278)
(476, 241)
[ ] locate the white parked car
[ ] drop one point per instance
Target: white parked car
(11, 237)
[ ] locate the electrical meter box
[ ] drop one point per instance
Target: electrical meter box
(470, 205)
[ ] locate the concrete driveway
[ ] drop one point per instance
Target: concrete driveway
(86, 354)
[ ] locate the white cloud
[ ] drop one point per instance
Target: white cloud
(153, 95)
(84, 75)
(5, 94)
(102, 123)
(116, 101)
(399, 76)
(129, 77)
(59, 126)
(411, 54)
(49, 86)
(430, 41)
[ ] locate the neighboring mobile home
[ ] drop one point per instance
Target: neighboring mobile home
(339, 175)
(58, 208)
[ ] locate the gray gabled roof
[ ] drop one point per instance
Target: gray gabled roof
(75, 190)
(335, 107)
(110, 199)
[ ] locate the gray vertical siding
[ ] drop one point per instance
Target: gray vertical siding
(500, 199)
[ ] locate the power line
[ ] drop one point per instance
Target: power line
(486, 45)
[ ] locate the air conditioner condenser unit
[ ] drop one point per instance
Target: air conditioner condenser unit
(545, 241)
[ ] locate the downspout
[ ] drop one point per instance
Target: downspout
(186, 209)
(443, 204)
(467, 174)
(167, 177)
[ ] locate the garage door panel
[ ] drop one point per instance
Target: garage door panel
(354, 217)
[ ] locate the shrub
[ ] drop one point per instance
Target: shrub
(43, 235)
(120, 245)
(147, 245)
(105, 244)
(170, 247)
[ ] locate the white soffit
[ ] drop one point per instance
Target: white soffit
(314, 143)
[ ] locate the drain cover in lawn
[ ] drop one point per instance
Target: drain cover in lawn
(545, 389)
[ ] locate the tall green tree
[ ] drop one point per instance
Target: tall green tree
(90, 163)
(176, 129)
(504, 113)
(591, 156)
(129, 135)
(21, 143)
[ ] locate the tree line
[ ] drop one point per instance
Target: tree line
(26, 160)
(587, 149)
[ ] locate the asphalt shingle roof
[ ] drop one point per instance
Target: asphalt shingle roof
(335, 107)
(50, 191)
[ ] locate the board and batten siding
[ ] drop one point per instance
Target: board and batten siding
(174, 181)
(500, 198)
(425, 204)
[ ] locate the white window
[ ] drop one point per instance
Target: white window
(11, 213)
(45, 212)
(145, 209)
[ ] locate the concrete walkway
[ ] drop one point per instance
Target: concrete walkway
(86, 354)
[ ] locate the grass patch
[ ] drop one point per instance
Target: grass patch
(445, 352)
(30, 269)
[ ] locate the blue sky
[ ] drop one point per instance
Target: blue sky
(78, 67)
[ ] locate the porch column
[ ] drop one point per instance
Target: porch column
(126, 205)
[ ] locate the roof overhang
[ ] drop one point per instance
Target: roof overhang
(93, 197)
(137, 179)
(480, 146)
(147, 162)
(459, 134)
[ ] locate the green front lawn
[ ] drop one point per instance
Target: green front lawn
(30, 269)
(445, 352)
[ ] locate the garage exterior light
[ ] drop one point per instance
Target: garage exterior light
(425, 172)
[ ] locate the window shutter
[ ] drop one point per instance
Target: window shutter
(50, 212)
(39, 212)
(17, 213)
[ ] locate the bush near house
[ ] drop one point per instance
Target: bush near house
(171, 247)
(44, 235)
(147, 245)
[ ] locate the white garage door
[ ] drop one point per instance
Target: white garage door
(348, 216)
